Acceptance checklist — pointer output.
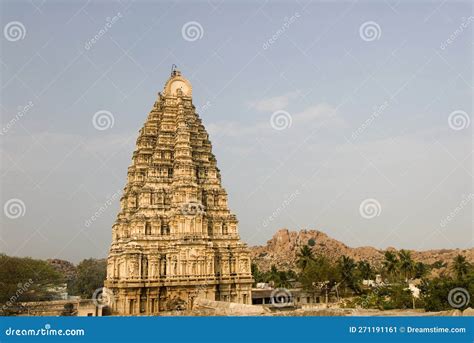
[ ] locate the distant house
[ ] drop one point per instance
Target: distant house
(58, 292)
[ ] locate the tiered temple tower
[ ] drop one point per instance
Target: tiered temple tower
(174, 238)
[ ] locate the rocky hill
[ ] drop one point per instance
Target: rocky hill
(65, 268)
(282, 249)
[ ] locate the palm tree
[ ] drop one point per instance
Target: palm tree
(390, 264)
(347, 267)
(284, 279)
(421, 270)
(460, 266)
(257, 275)
(407, 265)
(365, 270)
(305, 255)
(273, 274)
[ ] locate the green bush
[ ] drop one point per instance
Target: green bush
(90, 275)
(26, 279)
(435, 293)
(386, 298)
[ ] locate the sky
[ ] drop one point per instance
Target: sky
(352, 118)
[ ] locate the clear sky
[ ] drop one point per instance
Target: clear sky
(312, 108)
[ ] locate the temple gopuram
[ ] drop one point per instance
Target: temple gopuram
(174, 238)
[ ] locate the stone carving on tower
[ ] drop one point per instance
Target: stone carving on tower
(174, 238)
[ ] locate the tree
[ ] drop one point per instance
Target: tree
(421, 270)
(274, 275)
(390, 264)
(257, 275)
(347, 268)
(26, 279)
(280, 278)
(284, 279)
(388, 297)
(318, 270)
(365, 270)
(406, 263)
(444, 293)
(460, 266)
(438, 264)
(90, 276)
(305, 255)
(398, 297)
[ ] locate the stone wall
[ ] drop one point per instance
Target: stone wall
(222, 308)
(82, 308)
